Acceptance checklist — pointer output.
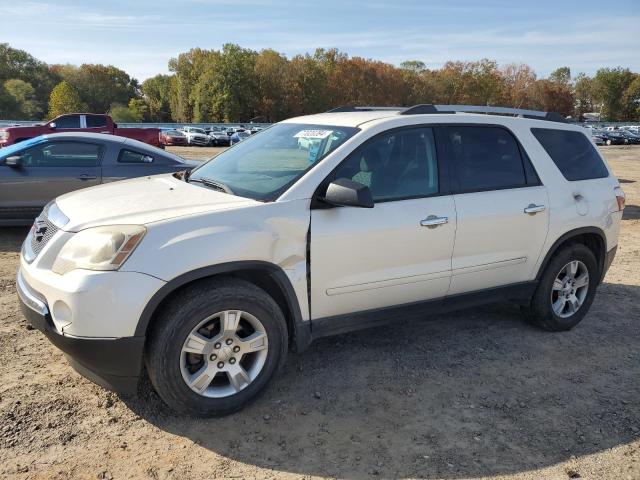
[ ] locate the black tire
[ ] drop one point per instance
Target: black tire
(540, 312)
(176, 320)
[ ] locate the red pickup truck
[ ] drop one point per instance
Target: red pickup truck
(78, 122)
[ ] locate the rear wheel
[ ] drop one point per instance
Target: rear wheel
(215, 347)
(566, 289)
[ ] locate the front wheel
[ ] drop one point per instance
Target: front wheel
(566, 290)
(215, 347)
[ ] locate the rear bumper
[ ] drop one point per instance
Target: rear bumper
(113, 363)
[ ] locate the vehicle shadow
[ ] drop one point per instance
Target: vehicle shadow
(631, 212)
(11, 238)
(471, 394)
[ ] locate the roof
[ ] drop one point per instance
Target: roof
(357, 116)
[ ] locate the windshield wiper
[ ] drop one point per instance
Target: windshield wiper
(215, 184)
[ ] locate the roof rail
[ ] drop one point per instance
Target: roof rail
(362, 109)
(428, 108)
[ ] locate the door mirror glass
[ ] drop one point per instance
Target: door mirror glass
(347, 193)
(52, 125)
(14, 161)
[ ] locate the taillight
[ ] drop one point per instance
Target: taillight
(619, 198)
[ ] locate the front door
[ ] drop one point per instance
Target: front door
(48, 170)
(396, 253)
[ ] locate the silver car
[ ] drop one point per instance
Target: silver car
(35, 171)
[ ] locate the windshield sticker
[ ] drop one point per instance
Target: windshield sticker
(314, 149)
(320, 134)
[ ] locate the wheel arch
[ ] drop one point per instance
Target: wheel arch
(592, 237)
(267, 276)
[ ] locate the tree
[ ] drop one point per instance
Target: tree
(64, 99)
(123, 114)
(415, 66)
(100, 86)
(631, 100)
(583, 95)
(156, 92)
(139, 109)
(519, 81)
(9, 107)
(609, 85)
(24, 95)
(18, 64)
(561, 75)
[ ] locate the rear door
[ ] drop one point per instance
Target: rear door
(501, 205)
(95, 123)
(48, 170)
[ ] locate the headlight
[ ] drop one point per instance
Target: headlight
(99, 248)
(4, 135)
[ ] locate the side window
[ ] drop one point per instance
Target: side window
(129, 156)
(484, 158)
(574, 155)
(396, 165)
(96, 121)
(63, 154)
(68, 121)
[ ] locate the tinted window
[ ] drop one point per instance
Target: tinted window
(95, 121)
(485, 158)
(68, 121)
(62, 154)
(395, 165)
(128, 156)
(574, 155)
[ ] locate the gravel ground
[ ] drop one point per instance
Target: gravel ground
(478, 393)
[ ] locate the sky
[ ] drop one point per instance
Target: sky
(140, 36)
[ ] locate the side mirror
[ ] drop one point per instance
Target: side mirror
(14, 161)
(343, 192)
(52, 125)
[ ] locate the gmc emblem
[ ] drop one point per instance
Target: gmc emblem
(39, 229)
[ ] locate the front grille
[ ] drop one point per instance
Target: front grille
(41, 232)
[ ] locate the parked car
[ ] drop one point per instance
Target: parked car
(220, 138)
(78, 122)
(35, 171)
(238, 136)
(398, 214)
(612, 137)
(172, 137)
(196, 136)
(597, 138)
(630, 138)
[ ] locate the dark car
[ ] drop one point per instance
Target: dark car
(630, 138)
(40, 169)
(612, 137)
(219, 138)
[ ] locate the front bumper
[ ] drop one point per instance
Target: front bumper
(114, 363)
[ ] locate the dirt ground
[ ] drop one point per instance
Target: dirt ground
(478, 393)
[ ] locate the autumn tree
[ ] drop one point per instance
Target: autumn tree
(64, 99)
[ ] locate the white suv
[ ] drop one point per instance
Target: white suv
(208, 279)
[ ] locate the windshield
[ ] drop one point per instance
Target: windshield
(264, 165)
(16, 147)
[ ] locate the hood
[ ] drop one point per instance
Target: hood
(141, 201)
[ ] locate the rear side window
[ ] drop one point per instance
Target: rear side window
(128, 156)
(96, 121)
(68, 121)
(574, 155)
(484, 158)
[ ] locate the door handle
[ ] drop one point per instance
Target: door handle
(84, 176)
(532, 209)
(432, 221)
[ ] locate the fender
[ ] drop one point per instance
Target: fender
(568, 235)
(301, 330)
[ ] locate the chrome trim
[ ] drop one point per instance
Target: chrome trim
(433, 221)
(28, 297)
(56, 216)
